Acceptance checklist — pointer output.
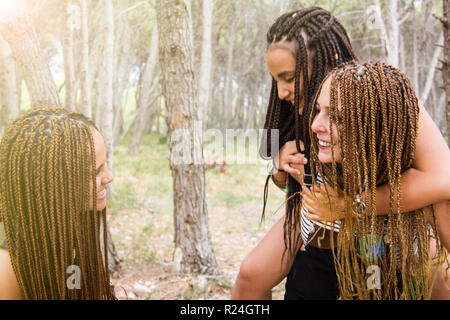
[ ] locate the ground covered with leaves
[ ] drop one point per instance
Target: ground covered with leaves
(141, 223)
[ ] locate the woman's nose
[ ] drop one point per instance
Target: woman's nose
(283, 92)
(318, 124)
(108, 178)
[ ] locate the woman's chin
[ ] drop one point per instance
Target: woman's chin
(101, 205)
(325, 158)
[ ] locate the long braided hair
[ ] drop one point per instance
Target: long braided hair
(377, 128)
(47, 171)
(314, 32)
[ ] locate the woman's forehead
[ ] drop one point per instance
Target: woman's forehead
(291, 46)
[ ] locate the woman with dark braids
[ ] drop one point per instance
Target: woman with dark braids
(53, 178)
(303, 46)
(363, 134)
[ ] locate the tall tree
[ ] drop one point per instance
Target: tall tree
(85, 106)
(204, 82)
(446, 62)
(9, 93)
(228, 89)
(184, 138)
(26, 50)
(70, 22)
(104, 111)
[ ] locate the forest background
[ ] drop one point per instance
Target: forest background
(116, 61)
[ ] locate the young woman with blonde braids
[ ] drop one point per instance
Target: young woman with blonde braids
(53, 178)
(303, 46)
(363, 134)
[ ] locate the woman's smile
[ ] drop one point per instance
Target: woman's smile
(101, 195)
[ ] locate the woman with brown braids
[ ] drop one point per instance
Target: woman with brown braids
(363, 134)
(53, 178)
(303, 46)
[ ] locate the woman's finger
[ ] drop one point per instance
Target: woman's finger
(312, 216)
(287, 168)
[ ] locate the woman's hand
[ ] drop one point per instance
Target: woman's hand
(323, 205)
(291, 161)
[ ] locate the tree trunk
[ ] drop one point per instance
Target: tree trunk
(69, 24)
(85, 106)
(104, 112)
(251, 111)
(431, 71)
(417, 87)
(158, 118)
(227, 98)
(184, 137)
(390, 31)
(145, 94)
(205, 63)
(26, 50)
(393, 34)
(9, 107)
(122, 66)
(446, 64)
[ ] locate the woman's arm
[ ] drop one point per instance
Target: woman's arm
(428, 181)
(264, 267)
(9, 289)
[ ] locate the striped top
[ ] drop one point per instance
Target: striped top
(309, 227)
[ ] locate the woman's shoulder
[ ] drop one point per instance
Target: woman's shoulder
(9, 288)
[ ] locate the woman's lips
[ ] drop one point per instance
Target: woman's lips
(324, 145)
(101, 195)
(299, 102)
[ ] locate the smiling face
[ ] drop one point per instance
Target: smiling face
(281, 60)
(328, 143)
(103, 175)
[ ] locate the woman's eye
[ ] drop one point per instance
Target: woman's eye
(290, 79)
(316, 110)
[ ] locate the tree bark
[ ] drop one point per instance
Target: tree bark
(69, 24)
(85, 106)
(205, 63)
(390, 32)
(431, 72)
(104, 112)
(446, 62)
(27, 53)
(9, 107)
(227, 98)
(393, 34)
(184, 138)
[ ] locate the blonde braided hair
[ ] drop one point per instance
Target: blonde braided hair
(47, 167)
(377, 129)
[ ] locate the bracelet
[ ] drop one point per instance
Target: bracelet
(274, 167)
(282, 187)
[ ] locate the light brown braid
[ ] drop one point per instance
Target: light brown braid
(377, 128)
(47, 167)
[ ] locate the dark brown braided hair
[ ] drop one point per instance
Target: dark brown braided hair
(377, 128)
(328, 44)
(47, 168)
